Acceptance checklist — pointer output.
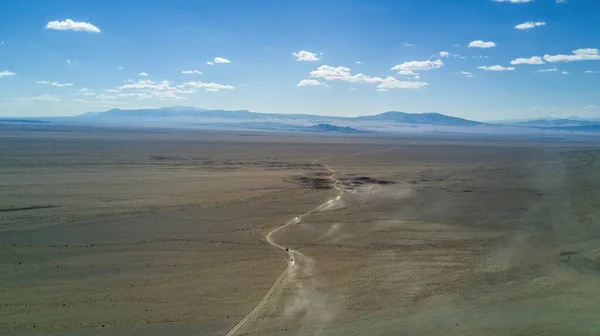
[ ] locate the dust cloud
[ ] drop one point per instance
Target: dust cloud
(312, 308)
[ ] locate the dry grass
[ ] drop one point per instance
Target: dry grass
(152, 232)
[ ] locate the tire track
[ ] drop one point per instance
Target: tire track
(270, 297)
(282, 280)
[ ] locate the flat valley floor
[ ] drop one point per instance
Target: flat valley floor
(114, 231)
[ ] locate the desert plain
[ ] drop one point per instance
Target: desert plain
(134, 231)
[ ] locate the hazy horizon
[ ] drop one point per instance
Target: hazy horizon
(292, 113)
(262, 112)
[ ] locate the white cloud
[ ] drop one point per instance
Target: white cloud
(69, 24)
(481, 44)
(548, 70)
(54, 83)
(102, 96)
(112, 90)
(406, 73)
(168, 95)
(142, 84)
(341, 73)
(311, 82)
(586, 54)
(381, 90)
(147, 89)
(120, 67)
(305, 56)
(6, 74)
(445, 54)
(408, 68)
(212, 87)
(210, 63)
(68, 61)
(85, 92)
(513, 1)
(352, 89)
(143, 74)
(561, 1)
(42, 98)
(480, 56)
(496, 68)
(530, 25)
(81, 101)
(393, 83)
(465, 73)
(358, 62)
(191, 72)
(565, 73)
(138, 95)
(344, 74)
(221, 60)
(592, 72)
(532, 60)
(417, 77)
(406, 44)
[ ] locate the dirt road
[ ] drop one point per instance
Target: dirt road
(271, 296)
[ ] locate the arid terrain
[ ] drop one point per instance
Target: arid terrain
(116, 231)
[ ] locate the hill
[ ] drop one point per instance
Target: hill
(420, 118)
(333, 129)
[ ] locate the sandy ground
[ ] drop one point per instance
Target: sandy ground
(147, 232)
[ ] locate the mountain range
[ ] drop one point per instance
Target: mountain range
(543, 122)
(391, 121)
(184, 112)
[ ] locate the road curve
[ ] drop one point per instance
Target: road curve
(285, 276)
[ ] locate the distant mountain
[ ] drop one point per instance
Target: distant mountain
(333, 129)
(171, 112)
(595, 128)
(22, 121)
(547, 122)
(192, 112)
(420, 118)
(184, 117)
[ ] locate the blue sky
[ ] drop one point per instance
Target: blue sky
(478, 59)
